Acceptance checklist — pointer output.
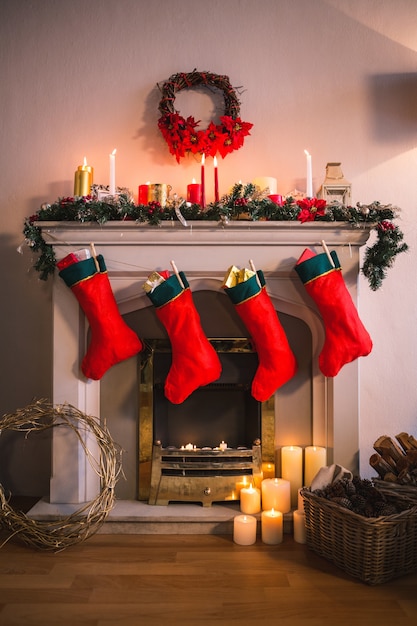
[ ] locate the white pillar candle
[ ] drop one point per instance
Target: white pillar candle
(112, 184)
(292, 469)
(276, 494)
(309, 182)
(264, 182)
(299, 521)
(314, 459)
(250, 500)
(244, 530)
(271, 527)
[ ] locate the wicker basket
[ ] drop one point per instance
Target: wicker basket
(374, 550)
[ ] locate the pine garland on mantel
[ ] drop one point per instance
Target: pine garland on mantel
(243, 202)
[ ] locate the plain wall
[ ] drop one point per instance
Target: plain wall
(336, 77)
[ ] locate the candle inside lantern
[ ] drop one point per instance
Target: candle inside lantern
(314, 460)
(309, 181)
(143, 191)
(216, 180)
(276, 494)
(112, 183)
(250, 500)
(244, 530)
(292, 469)
(203, 184)
(271, 527)
(194, 192)
(299, 521)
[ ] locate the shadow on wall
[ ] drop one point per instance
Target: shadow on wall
(393, 102)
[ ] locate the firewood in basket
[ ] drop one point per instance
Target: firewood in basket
(379, 465)
(389, 450)
(407, 442)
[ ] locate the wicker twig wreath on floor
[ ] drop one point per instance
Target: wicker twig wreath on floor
(56, 535)
(183, 136)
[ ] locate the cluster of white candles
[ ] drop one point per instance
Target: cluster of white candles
(277, 496)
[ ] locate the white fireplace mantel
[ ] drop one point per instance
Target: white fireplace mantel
(204, 251)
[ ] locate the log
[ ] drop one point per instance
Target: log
(379, 465)
(407, 442)
(389, 450)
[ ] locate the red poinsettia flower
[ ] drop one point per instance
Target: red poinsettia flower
(310, 209)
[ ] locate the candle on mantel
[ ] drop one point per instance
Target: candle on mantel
(292, 469)
(299, 523)
(271, 527)
(309, 192)
(314, 460)
(203, 183)
(112, 183)
(244, 530)
(250, 500)
(194, 192)
(143, 191)
(216, 180)
(266, 182)
(276, 494)
(83, 179)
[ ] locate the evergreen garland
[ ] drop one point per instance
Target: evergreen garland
(243, 202)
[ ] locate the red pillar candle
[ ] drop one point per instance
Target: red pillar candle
(194, 192)
(143, 194)
(277, 198)
(216, 181)
(203, 190)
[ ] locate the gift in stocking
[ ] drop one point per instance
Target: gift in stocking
(195, 363)
(346, 338)
(277, 363)
(112, 340)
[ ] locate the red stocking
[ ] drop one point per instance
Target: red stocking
(277, 363)
(195, 362)
(346, 337)
(112, 340)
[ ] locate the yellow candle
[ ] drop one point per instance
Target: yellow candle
(276, 494)
(244, 530)
(241, 484)
(250, 500)
(83, 179)
(266, 182)
(292, 469)
(314, 459)
(268, 470)
(299, 520)
(272, 527)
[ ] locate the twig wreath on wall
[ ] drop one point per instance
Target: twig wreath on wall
(56, 535)
(183, 135)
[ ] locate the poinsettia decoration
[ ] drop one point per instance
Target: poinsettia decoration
(183, 135)
(311, 208)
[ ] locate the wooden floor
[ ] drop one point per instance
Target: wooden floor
(156, 580)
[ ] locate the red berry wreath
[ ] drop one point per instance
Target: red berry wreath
(182, 135)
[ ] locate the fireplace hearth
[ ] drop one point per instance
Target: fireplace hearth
(311, 410)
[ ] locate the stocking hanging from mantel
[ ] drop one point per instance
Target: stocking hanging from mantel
(277, 364)
(346, 337)
(111, 340)
(195, 363)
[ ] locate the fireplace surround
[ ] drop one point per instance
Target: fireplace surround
(204, 251)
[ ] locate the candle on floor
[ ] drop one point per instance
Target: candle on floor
(276, 494)
(268, 470)
(271, 527)
(250, 500)
(241, 484)
(292, 469)
(244, 530)
(314, 459)
(299, 521)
